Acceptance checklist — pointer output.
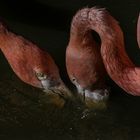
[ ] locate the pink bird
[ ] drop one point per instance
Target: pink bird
(83, 60)
(117, 63)
(31, 64)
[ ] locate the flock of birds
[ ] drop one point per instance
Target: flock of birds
(87, 62)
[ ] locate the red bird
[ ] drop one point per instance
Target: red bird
(117, 63)
(83, 59)
(31, 64)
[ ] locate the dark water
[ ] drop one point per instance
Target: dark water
(27, 113)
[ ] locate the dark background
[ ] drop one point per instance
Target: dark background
(47, 23)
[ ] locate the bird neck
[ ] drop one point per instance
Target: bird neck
(79, 24)
(117, 63)
(80, 33)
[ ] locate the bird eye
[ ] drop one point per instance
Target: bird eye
(41, 76)
(73, 79)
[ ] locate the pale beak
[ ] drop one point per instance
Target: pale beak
(96, 99)
(58, 88)
(97, 95)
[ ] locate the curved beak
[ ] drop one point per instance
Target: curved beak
(97, 99)
(58, 88)
(63, 91)
(97, 95)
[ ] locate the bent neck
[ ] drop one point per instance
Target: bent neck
(80, 34)
(118, 65)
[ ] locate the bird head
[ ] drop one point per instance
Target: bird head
(91, 91)
(31, 64)
(42, 72)
(49, 78)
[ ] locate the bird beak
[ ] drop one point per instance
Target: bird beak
(97, 95)
(64, 91)
(95, 99)
(58, 89)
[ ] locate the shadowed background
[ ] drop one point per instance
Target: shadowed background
(47, 23)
